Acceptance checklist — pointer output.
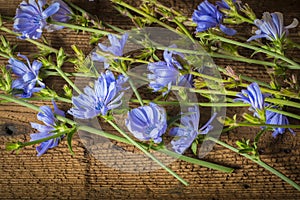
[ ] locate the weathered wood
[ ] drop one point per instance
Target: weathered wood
(57, 174)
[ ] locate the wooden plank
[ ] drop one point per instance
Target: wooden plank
(57, 174)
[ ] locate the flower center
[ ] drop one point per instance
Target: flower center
(149, 129)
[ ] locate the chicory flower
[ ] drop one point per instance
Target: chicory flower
(106, 95)
(166, 73)
(189, 130)
(28, 76)
(116, 48)
(271, 27)
(64, 14)
(147, 122)
(208, 16)
(254, 97)
(277, 119)
(49, 129)
(30, 18)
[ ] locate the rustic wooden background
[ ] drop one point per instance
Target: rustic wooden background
(57, 174)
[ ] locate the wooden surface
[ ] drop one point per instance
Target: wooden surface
(57, 174)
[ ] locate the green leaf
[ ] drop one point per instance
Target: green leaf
(194, 147)
(249, 150)
(69, 139)
(13, 146)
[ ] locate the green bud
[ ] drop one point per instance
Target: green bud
(13, 146)
(68, 91)
(47, 63)
(47, 92)
(248, 12)
(61, 56)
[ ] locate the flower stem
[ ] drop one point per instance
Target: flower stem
(151, 18)
(43, 139)
(64, 76)
(165, 151)
(2, 28)
(5, 55)
(20, 102)
(146, 152)
(259, 162)
(293, 65)
(267, 125)
(118, 138)
(76, 27)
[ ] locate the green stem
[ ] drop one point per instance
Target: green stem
(217, 55)
(140, 12)
(183, 28)
(20, 102)
(259, 162)
(64, 76)
(267, 125)
(4, 55)
(260, 133)
(76, 27)
(236, 104)
(118, 138)
(146, 152)
(165, 151)
(2, 28)
(293, 65)
(43, 139)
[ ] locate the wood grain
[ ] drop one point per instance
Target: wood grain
(58, 175)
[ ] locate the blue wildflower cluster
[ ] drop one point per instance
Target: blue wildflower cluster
(166, 73)
(209, 16)
(116, 49)
(271, 27)
(27, 76)
(187, 69)
(189, 130)
(31, 17)
(106, 95)
(51, 127)
(256, 99)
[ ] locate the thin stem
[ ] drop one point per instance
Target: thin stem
(2, 28)
(165, 151)
(147, 153)
(118, 138)
(259, 162)
(236, 104)
(43, 139)
(76, 27)
(267, 125)
(20, 102)
(64, 76)
(217, 55)
(153, 19)
(293, 65)
(4, 55)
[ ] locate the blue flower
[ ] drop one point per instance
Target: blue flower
(208, 16)
(147, 122)
(166, 73)
(189, 130)
(64, 14)
(105, 95)
(49, 129)
(28, 76)
(116, 48)
(254, 97)
(277, 119)
(271, 27)
(30, 18)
